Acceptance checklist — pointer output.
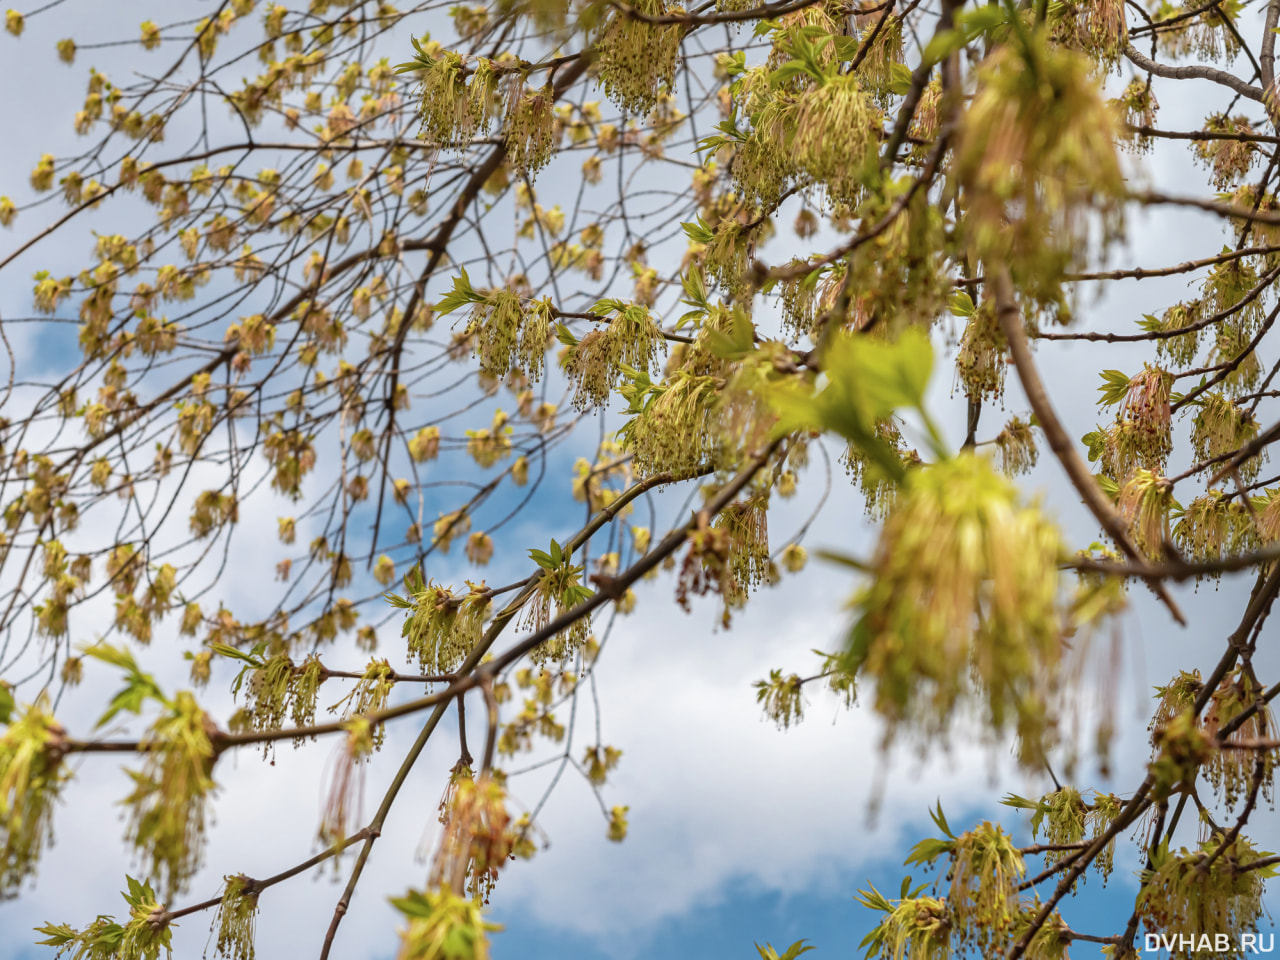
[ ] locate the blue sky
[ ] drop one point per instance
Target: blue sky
(826, 916)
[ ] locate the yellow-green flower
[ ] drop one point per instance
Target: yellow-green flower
(964, 603)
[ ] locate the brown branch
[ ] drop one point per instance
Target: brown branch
(1187, 266)
(1131, 811)
(764, 12)
(1155, 198)
(1194, 72)
(1176, 570)
(255, 887)
(1010, 317)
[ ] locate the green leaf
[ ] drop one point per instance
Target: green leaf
(846, 47)
(929, 850)
(1115, 384)
(768, 953)
(961, 304)
(1096, 441)
(737, 343)
(565, 335)
(694, 283)
(845, 560)
(940, 819)
(874, 900)
(461, 294)
(795, 950)
(115, 656)
(138, 689)
(1020, 803)
(58, 934)
(231, 653)
(971, 25)
(866, 382)
(6, 703)
(899, 79)
(414, 905)
(699, 232)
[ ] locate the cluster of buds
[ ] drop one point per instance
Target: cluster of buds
(478, 838)
(1145, 501)
(833, 128)
(728, 250)
(1232, 287)
(146, 933)
(630, 340)
(448, 526)
(781, 698)
(511, 333)
(136, 614)
(1016, 447)
(369, 695)
(443, 925)
(488, 445)
(1268, 525)
(560, 587)
(1231, 771)
(794, 557)
(1221, 427)
(1144, 418)
(1234, 346)
(343, 806)
(964, 601)
(1231, 156)
(1211, 35)
(236, 919)
(879, 491)
(706, 568)
(808, 297)
(877, 71)
(453, 106)
(1039, 138)
(914, 928)
(617, 831)
(1182, 348)
(981, 362)
(442, 627)
(425, 444)
(480, 548)
(1063, 814)
(1185, 892)
(68, 579)
(1051, 939)
(279, 689)
(674, 429)
(530, 127)
(31, 774)
(168, 806)
(1102, 813)
(1213, 526)
(1181, 750)
(1175, 697)
(637, 59)
(986, 868)
(746, 413)
(1139, 105)
(1095, 26)
(747, 523)
(598, 762)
